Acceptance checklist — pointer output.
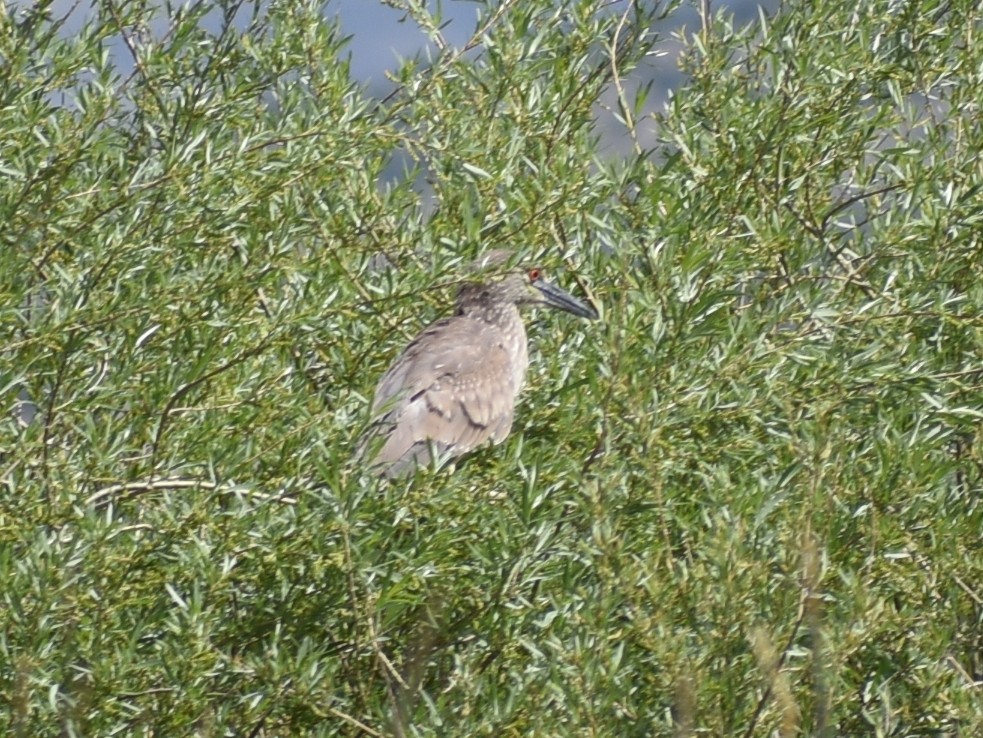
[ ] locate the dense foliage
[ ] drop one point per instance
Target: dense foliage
(748, 502)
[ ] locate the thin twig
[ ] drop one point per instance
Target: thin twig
(154, 485)
(619, 87)
(357, 723)
(705, 22)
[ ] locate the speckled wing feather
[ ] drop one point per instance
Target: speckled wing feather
(451, 389)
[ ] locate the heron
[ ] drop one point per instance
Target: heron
(455, 385)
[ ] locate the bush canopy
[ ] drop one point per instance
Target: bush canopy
(745, 503)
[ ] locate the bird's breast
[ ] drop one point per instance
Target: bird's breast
(517, 348)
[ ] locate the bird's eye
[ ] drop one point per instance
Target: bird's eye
(534, 275)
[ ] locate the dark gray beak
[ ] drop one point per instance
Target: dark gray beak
(557, 298)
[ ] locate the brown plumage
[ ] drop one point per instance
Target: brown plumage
(455, 385)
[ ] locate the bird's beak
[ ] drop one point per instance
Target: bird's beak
(562, 300)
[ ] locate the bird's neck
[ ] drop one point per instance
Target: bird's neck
(505, 319)
(498, 314)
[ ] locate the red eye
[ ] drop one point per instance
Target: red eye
(534, 275)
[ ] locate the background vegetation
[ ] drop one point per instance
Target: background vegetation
(747, 503)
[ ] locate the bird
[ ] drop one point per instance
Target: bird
(455, 384)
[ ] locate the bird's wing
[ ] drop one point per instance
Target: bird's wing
(452, 388)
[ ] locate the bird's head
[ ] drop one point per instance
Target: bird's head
(524, 286)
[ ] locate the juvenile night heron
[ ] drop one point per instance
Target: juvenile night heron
(455, 385)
